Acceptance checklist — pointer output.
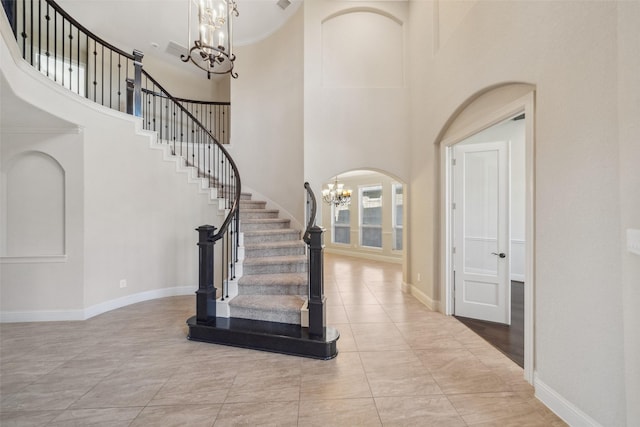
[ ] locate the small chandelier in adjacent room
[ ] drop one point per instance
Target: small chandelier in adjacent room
(336, 195)
(212, 36)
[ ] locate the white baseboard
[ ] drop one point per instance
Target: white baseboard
(421, 296)
(561, 406)
(94, 310)
(41, 316)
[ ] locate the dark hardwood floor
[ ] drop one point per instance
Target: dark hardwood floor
(508, 339)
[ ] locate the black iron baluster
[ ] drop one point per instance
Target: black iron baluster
(78, 59)
(39, 35)
(70, 56)
(55, 45)
(95, 70)
(31, 31)
(48, 18)
(223, 126)
(23, 33)
(102, 76)
(110, 78)
(119, 81)
(86, 72)
(62, 57)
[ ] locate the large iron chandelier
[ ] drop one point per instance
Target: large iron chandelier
(336, 195)
(212, 37)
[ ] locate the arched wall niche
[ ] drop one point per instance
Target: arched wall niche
(34, 206)
(362, 48)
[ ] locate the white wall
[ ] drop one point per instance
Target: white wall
(128, 214)
(569, 52)
(266, 118)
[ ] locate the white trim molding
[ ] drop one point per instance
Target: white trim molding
(425, 299)
(36, 259)
(94, 310)
(561, 406)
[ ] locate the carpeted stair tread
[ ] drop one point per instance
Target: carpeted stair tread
(294, 279)
(275, 244)
(278, 231)
(274, 248)
(292, 259)
(264, 224)
(264, 221)
(252, 204)
(259, 210)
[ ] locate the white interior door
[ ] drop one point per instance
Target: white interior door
(481, 231)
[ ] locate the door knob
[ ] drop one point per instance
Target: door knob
(501, 254)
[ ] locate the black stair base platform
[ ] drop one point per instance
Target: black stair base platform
(268, 336)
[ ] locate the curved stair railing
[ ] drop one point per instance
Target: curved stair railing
(311, 211)
(68, 53)
(189, 139)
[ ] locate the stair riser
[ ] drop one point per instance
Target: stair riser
(265, 238)
(264, 226)
(266, 315)
(268, 252)
(272, 290)
(275, 268)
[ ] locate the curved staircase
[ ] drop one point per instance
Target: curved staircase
(268, 298)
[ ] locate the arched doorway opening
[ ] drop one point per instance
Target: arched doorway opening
(481, 114)
(371, 224)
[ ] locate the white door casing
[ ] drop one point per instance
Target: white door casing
(481, 231)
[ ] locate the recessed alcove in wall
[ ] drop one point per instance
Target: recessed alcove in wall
(34, 207)
(362, 48)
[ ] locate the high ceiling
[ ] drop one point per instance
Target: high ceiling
(149, 25)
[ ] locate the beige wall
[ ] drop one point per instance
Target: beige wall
(629, 154)
(581, 58)
(357, 120)
(185, 80)
(569, 52)
(267, 117)
(128, 214)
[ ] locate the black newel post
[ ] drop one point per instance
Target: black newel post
(130, 90)
(317, 317)
(137, 83)
(206, 293)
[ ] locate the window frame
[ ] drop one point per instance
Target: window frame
(333, 226)
(361, 190)
(394, 216)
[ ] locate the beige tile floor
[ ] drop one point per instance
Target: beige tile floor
(399, 364)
